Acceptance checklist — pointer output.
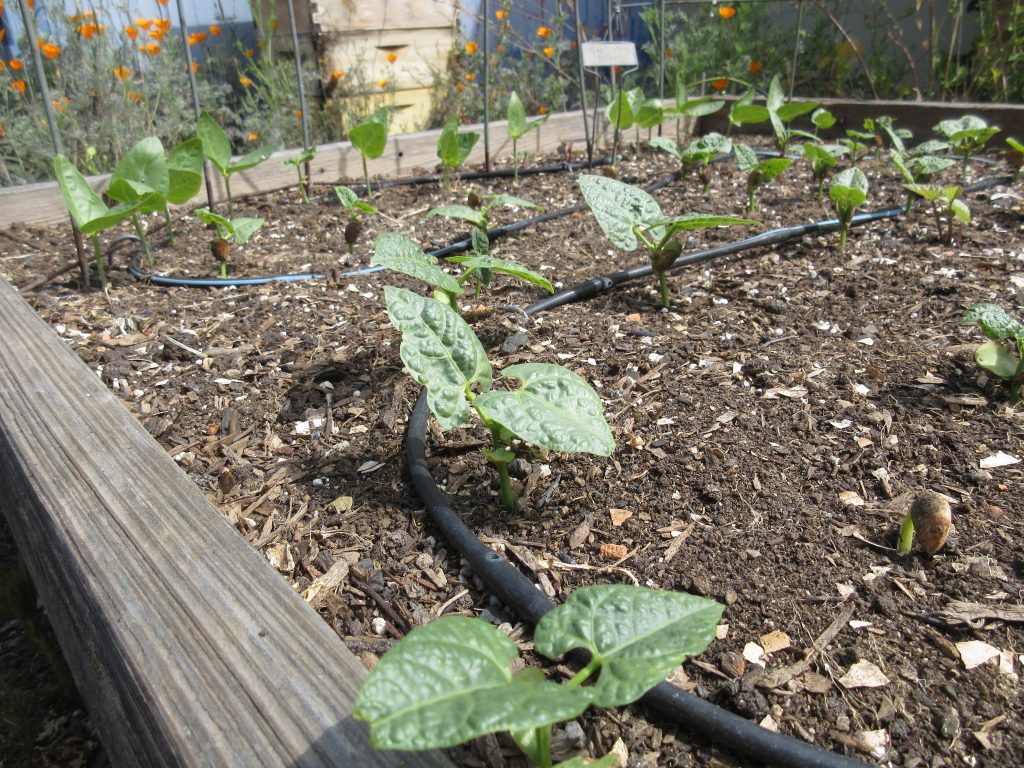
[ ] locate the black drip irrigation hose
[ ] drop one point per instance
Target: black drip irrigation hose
(518, 592)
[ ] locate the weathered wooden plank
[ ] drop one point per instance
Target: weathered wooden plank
(188, 648)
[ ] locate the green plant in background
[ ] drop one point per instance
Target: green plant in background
(217, 147)
(479, 265)
(355, 208)
(685, 107)
(453, 148)
(823, 158)
(298, 162)
(947, 206)
(1015, 156)
(90, 214)
(152, 180)
(917, 166)
(518, 126)
(237, 231)
(629, 216)
(848, 190)
(400, 254)
(370, 137)
(777, 111)
(998, 325)
(553, 408)
(759, 172)
(698, 154)
(966, 135)
(635, 636)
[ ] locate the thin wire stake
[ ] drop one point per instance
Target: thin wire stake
(32, 35)
(796, 47)
(487, 107)
(583, 80)
(298, 76)
(193, 88)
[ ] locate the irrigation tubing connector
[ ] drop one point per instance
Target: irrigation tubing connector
(517, 591)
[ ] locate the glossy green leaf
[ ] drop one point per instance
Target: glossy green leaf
(998, 360)
(216, 145)
(620, 111)
(995, 322)
(794, 109)
(141, 172)
(370, 136)
(243, 228)
(959, 209)
(401, 254)
(926, 191)
(707, 148)
(700, 107)
(747, 114)
(772, 167)
(252, 159)
(926, 166)
(464, 212)
(688, 222)
(86, 207)
(618, 206)
(746, 158)
(449, 681)
(350, 200)
(454, 147)
(650, 113)
(301, 158)
(440, 351)
(554, 408)
(958, 127)
(510, 201)
(185, 171)
(637, 635)
(510, 268)
(820, 158)
(665, 144)
(518, 126)
(849, 188)
(823, 119)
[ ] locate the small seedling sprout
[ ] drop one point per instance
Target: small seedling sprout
(217, 147)
(298, 162)
(998, 325)
(356, 208)
(453, 148)
(635, 636)
(629, 216)
(370, 137)
(759, 172)
(930, 518)
(237, 231)
(848, 190)
(947, 205)
(519, 126)
(967, 135)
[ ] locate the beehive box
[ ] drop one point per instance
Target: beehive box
(391, 52)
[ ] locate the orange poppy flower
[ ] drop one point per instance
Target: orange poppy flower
(298, 114)
(668, 53)
(549, 51)
(196, 37)
(244, 81)
(726, 12)
(471, 47)
(151, 49)
(16, 64)
(88, 30)
(163, 24)
(720, 84)
(19, 86)
(382, 83)
(156, 34)
(336, 75)
(392, 58)
(2, 131)
(470, 77)
(500, 15)
(145, 24)
(253, 136)
(57, 104)
(542, 110)
(543, 31)
(755, 67)
(122, 73)
(132, 32)
(134, 96)
(459, 86)
(214, 30)
(501, 48)
(162, 2)
(195, 67)
(248, 53)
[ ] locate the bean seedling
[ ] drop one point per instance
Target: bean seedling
(997, 324)
(519, 126)
(947, 206)
(759, 172)
(90, 214)
(930, 518)
(848, 189)
(356, 208)
(453, 148)
(967, 135)
(298, 162)
(370, 137)
(217, 147)
(823, 158)
(1015, 156)
(553, 407)
(699, 152)
(449, 681)
(630, 216)
(229, 231)
(777, 111)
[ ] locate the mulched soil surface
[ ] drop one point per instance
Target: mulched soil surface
(771, 429)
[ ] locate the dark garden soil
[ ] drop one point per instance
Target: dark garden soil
(771, 430)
